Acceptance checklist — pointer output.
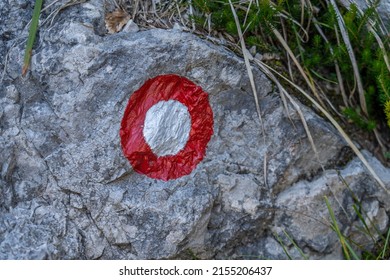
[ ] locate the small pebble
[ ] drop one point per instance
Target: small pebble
(131, 27)
(252, 50)
(177, 26)
(258, 57)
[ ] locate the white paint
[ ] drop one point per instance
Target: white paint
(167, 127)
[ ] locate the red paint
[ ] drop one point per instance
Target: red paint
(134, 146)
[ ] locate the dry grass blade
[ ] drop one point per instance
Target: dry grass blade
(298, 65)
(247, 13)
(306, 127)
(285, 15)
(380, 141)
(56, 11)
(381, 45)
(328, 101)
(280, 87)
(371, 23)
(302, 11)
(287, 55)
(252, 82)
(338, 127)
(135, 9)
(180, 16)
(347, 42)
(191, 11)
(285, 94)
(247, 64)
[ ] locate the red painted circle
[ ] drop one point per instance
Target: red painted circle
(134, 146)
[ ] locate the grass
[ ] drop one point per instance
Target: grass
(347, 248)
(319, 39)
(376, 246)
(285, 248)
(31, 36)
(350, 248)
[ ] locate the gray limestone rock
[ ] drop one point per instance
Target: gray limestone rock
(68, 192)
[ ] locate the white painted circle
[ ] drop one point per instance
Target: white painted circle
(167, 127)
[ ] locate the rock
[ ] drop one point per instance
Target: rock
(252, 51)
(130, 27)
(177, 26)
(67, 191)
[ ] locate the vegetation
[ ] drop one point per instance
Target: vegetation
(31, 36)
(381, 248)
(340, 54)
(371, 245)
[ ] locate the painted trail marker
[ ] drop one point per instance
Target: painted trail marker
(166, 127)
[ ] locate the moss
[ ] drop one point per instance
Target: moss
(387, 111)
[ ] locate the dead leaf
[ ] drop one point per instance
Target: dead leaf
(116, 20)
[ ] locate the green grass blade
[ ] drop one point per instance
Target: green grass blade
(296, 246)
(336, 229)
(385, 248)
(280, 241)
(351, 250)
(361, 218)
(31, 36)
(318, 75)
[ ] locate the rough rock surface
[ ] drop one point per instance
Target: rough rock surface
(67, 191)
